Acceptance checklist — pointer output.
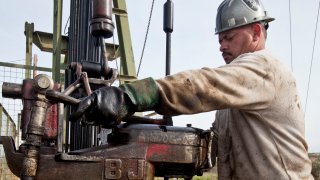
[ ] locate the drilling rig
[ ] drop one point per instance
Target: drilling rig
(138, 148)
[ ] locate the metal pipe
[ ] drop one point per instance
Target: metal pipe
(11, 90)
(36, 127)
(168, 54)
(168, 29)
(101, 24)
(83, 48)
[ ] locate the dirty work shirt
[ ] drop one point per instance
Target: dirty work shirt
(260, 121)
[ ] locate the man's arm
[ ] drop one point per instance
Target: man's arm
(247, 83)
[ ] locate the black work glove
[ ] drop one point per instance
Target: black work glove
(107, 106)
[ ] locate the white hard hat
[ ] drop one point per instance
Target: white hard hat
(235, 13)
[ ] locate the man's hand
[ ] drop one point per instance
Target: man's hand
(105, 106)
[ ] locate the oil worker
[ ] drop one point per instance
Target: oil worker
(259, 118)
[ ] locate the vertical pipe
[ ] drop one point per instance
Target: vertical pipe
(57, 40)
(168, 29)
(36, 127)
(29, 28)
(83, 47)
(56, 62)
(168, 54)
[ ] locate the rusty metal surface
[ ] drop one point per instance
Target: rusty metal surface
(25, 92)
(14, 159)
(71, 170)
(133, 152)
(51, 123)
(36, 127)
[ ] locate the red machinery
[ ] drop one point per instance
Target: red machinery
(135, 150)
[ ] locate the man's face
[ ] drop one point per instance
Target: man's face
(235, 42)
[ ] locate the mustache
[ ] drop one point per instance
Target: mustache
(226, 53)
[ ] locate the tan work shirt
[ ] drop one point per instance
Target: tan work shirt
(260, 121)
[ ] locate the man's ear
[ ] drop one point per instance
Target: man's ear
(257, 30)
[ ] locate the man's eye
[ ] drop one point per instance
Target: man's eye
(229, 38)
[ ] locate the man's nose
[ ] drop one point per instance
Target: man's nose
(223, 46)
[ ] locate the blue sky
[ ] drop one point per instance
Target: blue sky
(194, 44)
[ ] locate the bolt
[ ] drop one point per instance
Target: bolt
(43, 82)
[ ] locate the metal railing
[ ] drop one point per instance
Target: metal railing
(10, 109)
(7, 128)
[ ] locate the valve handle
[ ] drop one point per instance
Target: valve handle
(60, 97)
(66, 99)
